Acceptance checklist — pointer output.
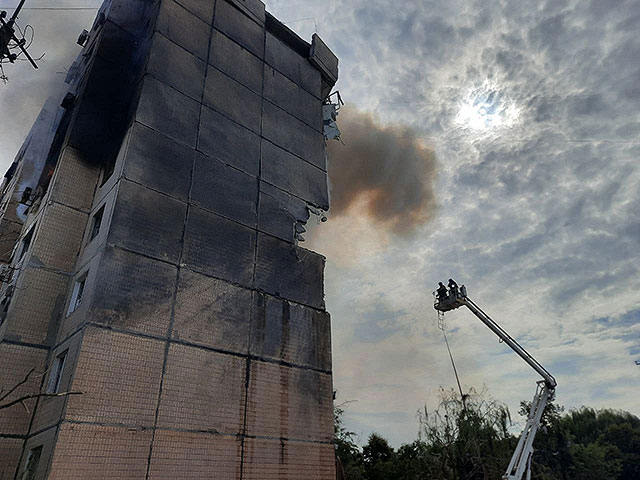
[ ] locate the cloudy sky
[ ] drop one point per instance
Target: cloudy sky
(527, 116)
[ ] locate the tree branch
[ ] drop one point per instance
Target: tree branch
(36, 395)
(24, 380)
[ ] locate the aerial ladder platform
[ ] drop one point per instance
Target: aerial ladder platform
(520, 464)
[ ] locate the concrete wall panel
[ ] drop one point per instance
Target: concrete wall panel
(202, 8)
(225, 190)
(253, 8)
(120, 377)
(132, 15)
(168, 111)
(159, 162)
(75, 180)
(192, 397)
(219, 247)
(290, 272)
(232, 99)
(291, 134)
(239, 27)
(47, 248)
(236, 61)
(184, 28)
(286, 94)
(295, 334)
(17, 361)
(296, 68)
(279, 212)
(290, 403)
(229, 142)
(294, 175)
(282, 460)
(147, 222)
(38, 300)
(185, 72)
(100, 453)
(212, 312)
(194, 456)
(133, 293)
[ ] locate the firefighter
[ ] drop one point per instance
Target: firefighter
(442, 291)
(453, 288)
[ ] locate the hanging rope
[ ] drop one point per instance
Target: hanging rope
(443, 327)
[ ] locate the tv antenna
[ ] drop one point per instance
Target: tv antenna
(13, 46)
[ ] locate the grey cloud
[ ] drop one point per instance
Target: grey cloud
(590, 104)
(378, 323)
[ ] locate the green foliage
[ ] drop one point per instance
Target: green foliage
(470, 440)
(347, 452)
(466, 439)
(378, 458)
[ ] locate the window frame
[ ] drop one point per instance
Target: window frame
(57, 369)
(96, 223)
(31, 466)
(77, 294)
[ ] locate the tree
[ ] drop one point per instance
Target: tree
(613, 437)
(551, 457)
(470, 440)
(593, 462)
(467, 440)
(347, 452)
(378, 458)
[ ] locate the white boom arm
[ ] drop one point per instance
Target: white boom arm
(521, 460)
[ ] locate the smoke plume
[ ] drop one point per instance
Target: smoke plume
(387, 169)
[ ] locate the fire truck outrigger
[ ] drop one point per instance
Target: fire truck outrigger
(520, 463)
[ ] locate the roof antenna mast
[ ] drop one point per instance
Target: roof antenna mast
(9, 41)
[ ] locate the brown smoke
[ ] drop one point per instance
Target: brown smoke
(388, 169)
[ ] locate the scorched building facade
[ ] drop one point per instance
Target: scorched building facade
(153, 272)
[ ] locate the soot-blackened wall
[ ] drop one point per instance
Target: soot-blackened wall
(202, 344)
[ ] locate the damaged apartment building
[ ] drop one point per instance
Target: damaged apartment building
(153, 291)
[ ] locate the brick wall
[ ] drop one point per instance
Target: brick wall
(94, 451)
(10, 451)
(17, 361)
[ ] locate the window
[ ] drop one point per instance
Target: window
(96, 222)
(76, 296)
(56, 372)
(31, 466)
(26, 243)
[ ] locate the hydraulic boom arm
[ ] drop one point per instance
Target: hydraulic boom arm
(521, 460)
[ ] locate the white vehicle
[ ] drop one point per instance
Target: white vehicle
(520, 463)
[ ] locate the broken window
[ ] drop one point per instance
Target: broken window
(31, 466)
(78, 293)
(96, 222)
(56, 372)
